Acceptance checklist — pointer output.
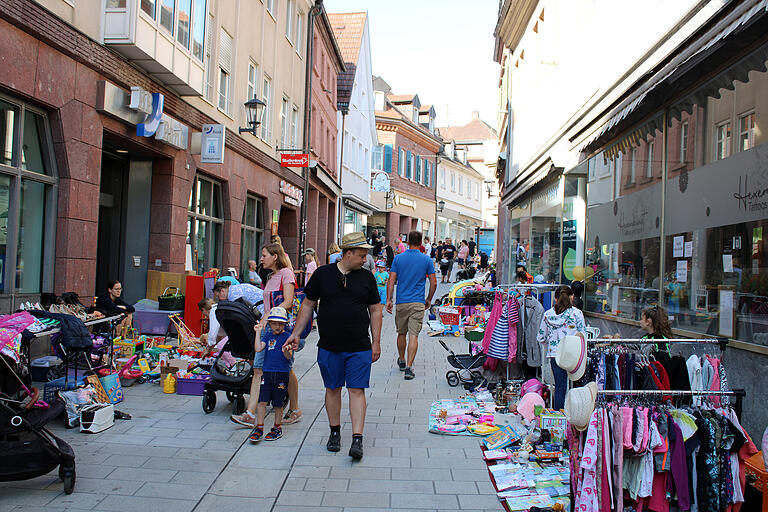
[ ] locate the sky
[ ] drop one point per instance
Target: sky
(441, 50)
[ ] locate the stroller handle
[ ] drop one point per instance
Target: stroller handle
(446, 347)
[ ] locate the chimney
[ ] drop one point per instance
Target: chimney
(475, 115)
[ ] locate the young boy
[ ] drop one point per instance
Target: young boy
(274, 380)
(381, 275)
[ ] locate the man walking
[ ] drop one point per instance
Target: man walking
(350, 305)
(409, 271)
(472, 246)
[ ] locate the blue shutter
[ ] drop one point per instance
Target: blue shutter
(408, 173)
(388, 158)
(418, 170)
(427, 172)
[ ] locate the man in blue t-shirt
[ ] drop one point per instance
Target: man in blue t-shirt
(410, 270)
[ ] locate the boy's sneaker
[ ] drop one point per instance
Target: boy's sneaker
(246, 419)
(409, 375)
(401, 365)
(256, 435)
(274, 434)
(334, 442)
(356, 450)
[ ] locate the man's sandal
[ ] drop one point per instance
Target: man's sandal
(292, 417)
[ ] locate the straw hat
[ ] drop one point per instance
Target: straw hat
(278, 314)
(355, 240)
(572, 356)
(579, 404)
(527, 405)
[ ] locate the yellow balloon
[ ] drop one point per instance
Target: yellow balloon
(588, 272)
(578, 273)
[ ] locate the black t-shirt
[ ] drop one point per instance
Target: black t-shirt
(264, 274)
(472, 246)
(342, 317)
(448, 251)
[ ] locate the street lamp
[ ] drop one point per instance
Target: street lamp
(440, 205)
(254, 110)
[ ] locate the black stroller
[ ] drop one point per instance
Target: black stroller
(27, 448)
(465, 365)
(238, 319)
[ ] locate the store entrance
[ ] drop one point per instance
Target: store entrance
(287, 229)
(110, 250)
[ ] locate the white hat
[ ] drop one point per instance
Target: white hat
(572, 356)
(579, 405)
(278, 314)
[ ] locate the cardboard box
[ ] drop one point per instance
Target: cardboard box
(158, 281)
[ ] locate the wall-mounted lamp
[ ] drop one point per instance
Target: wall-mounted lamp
(254, 109)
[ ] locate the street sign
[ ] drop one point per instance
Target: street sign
(298, 160)
(380, 182)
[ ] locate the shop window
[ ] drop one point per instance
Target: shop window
(27, 200)
(204, 226)
(167, 8)
(747, 131)
(377, 157)
(251, 233)
(723, 140)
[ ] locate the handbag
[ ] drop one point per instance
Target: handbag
(276, 297)
(171, 301)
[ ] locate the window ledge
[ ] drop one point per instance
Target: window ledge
(630, 185)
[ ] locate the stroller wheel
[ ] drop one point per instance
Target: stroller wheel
(230, 396)
(452, 377)
(68, 477)
(209, 401)
(477, 378)
(239, 407)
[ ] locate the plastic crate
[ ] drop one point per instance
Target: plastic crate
(153, 321)
(54, 386)
(192, 387)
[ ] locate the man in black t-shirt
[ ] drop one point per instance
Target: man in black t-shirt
(472, 245)
(350, 305)
(449, 253)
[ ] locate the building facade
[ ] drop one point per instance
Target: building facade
(459, 191)
(650, 189)
(324, 189)
(481, 143)
(359, 153)
(410, 149)
(112, 102)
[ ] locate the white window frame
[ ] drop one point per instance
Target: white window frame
(649, 165)
(453, 181)
(400, 162)
(377, 157)
(271, 6)
(265, 133)
(633, 167)
(442, 178)
(591, 168)
(210, 63)
(289, 10)
(750, 131)
(295, 126)
(285, 105)
(253, 80)
(722, 145)
(224, 95)
(413, 166)
(299, 33)
(684, 142)
(461, 185)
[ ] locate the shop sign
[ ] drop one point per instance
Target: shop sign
(291, 194)
(380, 182)
(291, 160)
(548, 198)
(150, 104)
(212, 145)
(172, 132)
(410, 203)
(635, 216)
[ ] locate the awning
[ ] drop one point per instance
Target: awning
(358, 204)
(681, 72)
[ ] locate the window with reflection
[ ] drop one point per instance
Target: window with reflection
(251, 233)
(205, 224)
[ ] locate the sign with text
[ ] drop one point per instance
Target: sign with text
(299, 160)
(212, 146)
(380, 182)
(291, 194)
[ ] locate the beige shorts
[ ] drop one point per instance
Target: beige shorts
(409, 317)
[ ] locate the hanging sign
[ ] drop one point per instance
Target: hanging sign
(212, 145)
(291, 160)
(291, 194)
(380, 182)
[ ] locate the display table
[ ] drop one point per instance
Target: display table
(756, 468)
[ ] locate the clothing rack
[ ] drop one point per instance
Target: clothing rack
(738, 393)
(723, 342)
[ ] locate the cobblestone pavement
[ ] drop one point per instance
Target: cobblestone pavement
(172, 457)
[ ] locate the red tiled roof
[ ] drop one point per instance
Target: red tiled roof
(425, 108)
(401, 98)
(476, 129)
(348, 29)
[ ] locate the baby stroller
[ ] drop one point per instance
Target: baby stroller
(237, 318)
(465, 364)
(27, 448)
(467, 272)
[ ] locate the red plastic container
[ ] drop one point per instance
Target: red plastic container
(192, 387)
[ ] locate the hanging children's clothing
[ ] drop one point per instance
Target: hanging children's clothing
(532, 312)
(502, 327)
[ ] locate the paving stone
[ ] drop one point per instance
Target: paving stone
(201, 466)
(299, 498)
(428, 501)
(312, 471)
(105, 485)
(165, 490)
(142, 474)
(325, 484)
(78, 499)
(474, 475)
(355, 499)
(194, 478)
(145, 504)
(394, 486)
(178, 442)
(297, 484)
(450, 487)
(264, 483)
(478, 501)
(15, 496)
(296, 508)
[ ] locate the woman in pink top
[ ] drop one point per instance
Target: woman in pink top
(273, 258)
(310, 260)
(463, 253)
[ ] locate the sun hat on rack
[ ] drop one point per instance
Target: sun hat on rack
(579, 404)
(572, 356)
(355, 240)
(527, 405)
(278, 314)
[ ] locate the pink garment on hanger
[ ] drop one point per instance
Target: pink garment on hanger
(626, 420)
(618, 456)
(512, 319)
(715, 380)
(606, 492)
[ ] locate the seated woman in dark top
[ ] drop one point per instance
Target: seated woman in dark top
(111, 304)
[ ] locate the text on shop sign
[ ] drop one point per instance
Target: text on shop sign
(291, 194)
(300, 160)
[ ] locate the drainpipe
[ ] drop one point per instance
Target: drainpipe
(313, 12)
(340, 223)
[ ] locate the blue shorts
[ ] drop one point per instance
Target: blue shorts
(274, 388)
(340, 368)
(258, 358)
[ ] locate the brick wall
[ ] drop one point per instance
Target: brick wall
(398, 140)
